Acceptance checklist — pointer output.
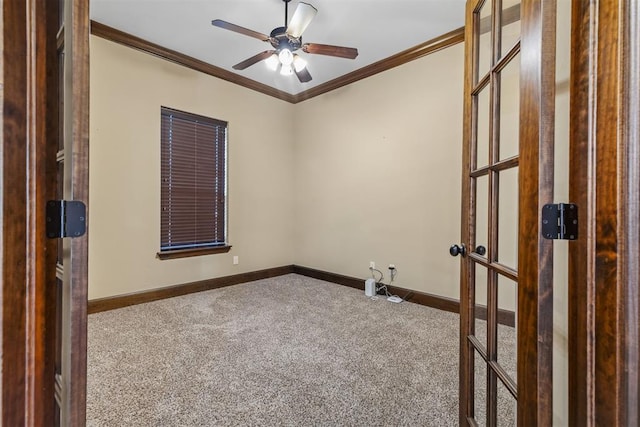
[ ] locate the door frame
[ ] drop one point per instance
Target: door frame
(611, 213)
(604, 265)
(28, 155)
(27, 182)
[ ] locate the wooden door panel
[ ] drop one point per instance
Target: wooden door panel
(74, 155)
(506, 171)
(535, 255)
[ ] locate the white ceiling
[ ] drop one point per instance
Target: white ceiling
(377, 28)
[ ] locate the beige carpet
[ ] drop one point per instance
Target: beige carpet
(288, 351)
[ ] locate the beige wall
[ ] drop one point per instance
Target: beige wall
(350, 179)
(127, 90)
(377, 168)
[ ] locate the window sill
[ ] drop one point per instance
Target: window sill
(184, 253)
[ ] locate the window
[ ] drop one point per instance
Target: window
(193, 181)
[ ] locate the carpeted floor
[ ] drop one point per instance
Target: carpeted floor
(288, 351)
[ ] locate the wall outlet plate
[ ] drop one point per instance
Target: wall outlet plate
(372, 264)
(236, 260)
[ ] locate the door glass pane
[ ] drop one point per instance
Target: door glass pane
(480, 309)
(510, 109)
(510, 24)
(60, 101)
(484, 40)
(482, 211)
(60, 12)
(508, 218)
(58, 332)
(60, 196)
(506, 407)
(482, 128)
(480, 390)
(508, 319)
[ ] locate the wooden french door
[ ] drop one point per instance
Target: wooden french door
(73, 185)
(45, 79)
(506, 268)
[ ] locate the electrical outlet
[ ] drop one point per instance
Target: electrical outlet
(236, 261)
(372, 264)
(392, 266)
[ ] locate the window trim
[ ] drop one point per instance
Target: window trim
(186, 253)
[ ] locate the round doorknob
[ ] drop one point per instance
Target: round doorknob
(456, 250)
(481, 250)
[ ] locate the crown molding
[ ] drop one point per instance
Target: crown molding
(446, 40)
(126, 39)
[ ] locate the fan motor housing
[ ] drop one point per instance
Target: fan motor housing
(280, 40)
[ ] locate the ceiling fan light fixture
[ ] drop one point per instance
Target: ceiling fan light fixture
(286, 70)
(299, 63)
(286, 57)
(285, 41)
(272, 62)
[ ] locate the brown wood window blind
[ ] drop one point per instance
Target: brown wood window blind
(193, 179)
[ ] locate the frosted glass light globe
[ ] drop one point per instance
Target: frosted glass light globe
(286, 57)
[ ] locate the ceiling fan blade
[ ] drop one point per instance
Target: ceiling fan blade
(303, 75)
(254, 59)
(325, 49)
(301, 19)
(238, 29)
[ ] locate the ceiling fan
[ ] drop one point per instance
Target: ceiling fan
(285, 41)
